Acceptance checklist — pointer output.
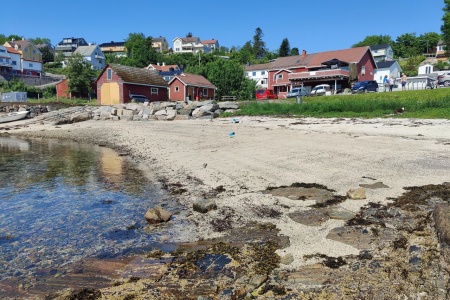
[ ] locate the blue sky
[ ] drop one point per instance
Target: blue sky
(314, 26)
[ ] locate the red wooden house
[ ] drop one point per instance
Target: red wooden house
(337, 68)
(185, 87)
(120, 84)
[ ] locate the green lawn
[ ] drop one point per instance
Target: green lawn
(425, 104)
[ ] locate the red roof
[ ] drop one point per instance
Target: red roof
(165, 68)
(194, 80)
(12, 50)
(206, 42)
(352, 55)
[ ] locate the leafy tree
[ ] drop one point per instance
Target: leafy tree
(2, 39)
(259, 46)
(428, 42)
(294, 51)
(79, 74)
(373, 40)
(285, 48)
(445, 27)
(140, 52)
(40, 41)
(47, 54)
(407, 45)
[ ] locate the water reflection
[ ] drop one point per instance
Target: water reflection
(63, 201)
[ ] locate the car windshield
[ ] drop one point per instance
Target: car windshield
(360, 84)
(260, 91)
(295, 91)
(318, 88)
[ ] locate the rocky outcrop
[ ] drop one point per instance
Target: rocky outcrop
(157, 215)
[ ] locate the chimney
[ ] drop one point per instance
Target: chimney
(303, 53)
(157, 63)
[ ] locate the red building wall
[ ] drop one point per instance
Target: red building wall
(177, 95)
(62, 89)
(369, 64)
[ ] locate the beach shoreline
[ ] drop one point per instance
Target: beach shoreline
(266, 153)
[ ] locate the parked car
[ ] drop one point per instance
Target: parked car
(365, 86)
(298, 91)
(265, 94)
(444, 79)
(320, 90)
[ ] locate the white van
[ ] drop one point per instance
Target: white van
(321, 89)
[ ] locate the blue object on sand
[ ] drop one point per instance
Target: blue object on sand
(235, 120)
(232, 134)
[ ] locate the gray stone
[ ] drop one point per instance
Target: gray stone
(228, 105)
(204, 205)
(84, 116)
(157, 215)
(357, 194)
(441, 216)
(171, 114)
(340, 213)
(312, 217)
(287, 259)
(161, 113)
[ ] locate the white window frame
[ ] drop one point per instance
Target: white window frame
(205, 92)
(363, 70)
(109, 74)
(177, 89)
(154, 91)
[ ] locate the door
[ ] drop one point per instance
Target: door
(110, 93)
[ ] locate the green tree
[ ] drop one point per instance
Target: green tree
(294, 51)
(407, 45)
(445, 27)
(373, 40)
(47, 54)
(428, 42)
(140, 52)
(40, 41)
(285, 48)
(79, 74)
(259, 46)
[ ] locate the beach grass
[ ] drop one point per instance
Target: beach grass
(426, 104)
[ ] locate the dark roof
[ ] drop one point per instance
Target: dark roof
(378, 47)
(385, 64)
(112, 44)
(138, 75)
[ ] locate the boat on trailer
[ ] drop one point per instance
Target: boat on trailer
(13, 116)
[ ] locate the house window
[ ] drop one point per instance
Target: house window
(177, 89)
(14, 63)
(246, 74)
(263, 72)
(205, 92)
(28, 73)
(254, 74)
(154, 91)
(280, 76)
(30, 65)
(363, 70)
(109, 74)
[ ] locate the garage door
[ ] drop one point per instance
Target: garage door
(110, 93)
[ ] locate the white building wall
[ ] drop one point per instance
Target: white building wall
(260, 76)
(28, 65)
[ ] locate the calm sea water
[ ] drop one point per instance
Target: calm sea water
(63, 201)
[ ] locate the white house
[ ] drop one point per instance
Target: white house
(93, 55)
(16, 60)
(389, 68)
(382, 52)
(5, 60)
(259, 73)
(189, 45)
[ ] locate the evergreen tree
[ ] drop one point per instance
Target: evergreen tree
(47, 54)
(445, 27)
(259, 46)
(294, 51)
(285, 48)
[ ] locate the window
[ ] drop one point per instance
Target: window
(177, 89)
(14, 63)
(34, 51)
(30, 65)
(205, 92)
(154, 91)
(253, 73)
(109, 74)
(263, 72)
(363, 70)
(280, 76)
(28, 73)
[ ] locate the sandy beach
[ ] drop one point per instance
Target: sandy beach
(265, 152)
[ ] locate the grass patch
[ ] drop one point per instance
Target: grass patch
(426, 104)
(65, 101)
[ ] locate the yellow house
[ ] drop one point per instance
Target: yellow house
(160, 44)
(117, 48)
(27, 50)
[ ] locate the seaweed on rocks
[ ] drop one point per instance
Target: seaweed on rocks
(419, 195)
(328, 261)
(303, 185)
